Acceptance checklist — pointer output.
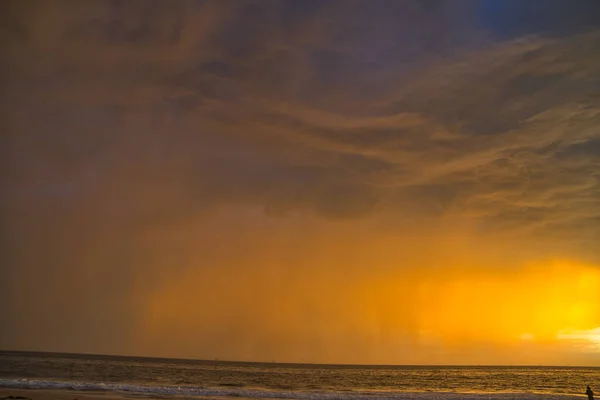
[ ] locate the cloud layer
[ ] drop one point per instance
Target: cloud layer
(131, 125)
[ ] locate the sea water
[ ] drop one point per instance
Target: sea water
(193, 378)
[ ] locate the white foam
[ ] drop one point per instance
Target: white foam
(261, 393)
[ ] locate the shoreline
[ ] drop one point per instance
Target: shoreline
(72, 394)
(58, 394)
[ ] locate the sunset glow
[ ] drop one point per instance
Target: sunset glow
(539, 302)
(342, 313)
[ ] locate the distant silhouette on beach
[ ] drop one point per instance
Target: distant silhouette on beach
(589, 393)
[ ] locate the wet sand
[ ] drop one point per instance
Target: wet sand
(36, 394)
(46, 394)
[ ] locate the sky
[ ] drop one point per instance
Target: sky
(373, 182)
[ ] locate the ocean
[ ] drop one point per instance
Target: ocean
(174, 378)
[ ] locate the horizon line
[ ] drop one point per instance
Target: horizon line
(218, 360)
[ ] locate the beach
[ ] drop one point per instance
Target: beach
(55, 376)
(39, 394)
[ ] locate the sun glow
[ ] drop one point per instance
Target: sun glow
(532, 304)
(589, 339)
(386, 316)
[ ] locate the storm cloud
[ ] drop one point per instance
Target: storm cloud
(147, 139)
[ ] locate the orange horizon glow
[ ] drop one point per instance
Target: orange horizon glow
(536, 303)
(327, 308)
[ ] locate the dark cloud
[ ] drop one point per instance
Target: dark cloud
(124, 119)
(513, 18)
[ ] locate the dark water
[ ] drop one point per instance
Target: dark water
(191, 378)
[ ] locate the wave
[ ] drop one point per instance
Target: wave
(198, 391)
